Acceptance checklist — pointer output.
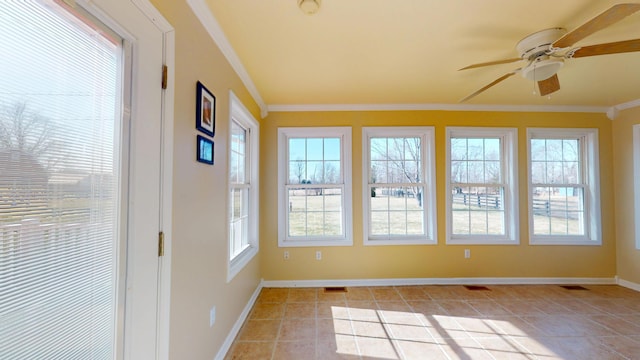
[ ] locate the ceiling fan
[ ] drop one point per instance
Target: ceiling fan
(544, 51)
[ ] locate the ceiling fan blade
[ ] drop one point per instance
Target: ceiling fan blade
(609, 17)
(608, 48)
(503, 77)
(549, 85)
(489, 63)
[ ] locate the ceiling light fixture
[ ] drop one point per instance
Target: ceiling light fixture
(309, 7)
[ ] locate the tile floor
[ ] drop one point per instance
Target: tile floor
(442, 322)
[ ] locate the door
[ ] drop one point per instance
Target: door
(80, 140)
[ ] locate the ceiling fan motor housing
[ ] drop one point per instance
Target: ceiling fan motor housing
(538, 43)
(535, 48)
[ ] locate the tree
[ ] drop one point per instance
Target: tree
(29, 152)
(403, 156)
(29, 134)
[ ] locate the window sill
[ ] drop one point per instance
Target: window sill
(399, 241)
(240, 261)
(311, 243)
(559, 240)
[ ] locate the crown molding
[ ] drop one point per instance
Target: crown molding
(208, 20)
(441, 107)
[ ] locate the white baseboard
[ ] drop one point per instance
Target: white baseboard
(629, 284)
(238, 325)
(437, 281)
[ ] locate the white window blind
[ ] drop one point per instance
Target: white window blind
(59, 193)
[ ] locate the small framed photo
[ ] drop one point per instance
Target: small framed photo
(204, 150)
(205, 110)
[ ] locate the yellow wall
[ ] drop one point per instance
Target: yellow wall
(628, 257)
(198, 276)
(434, 261)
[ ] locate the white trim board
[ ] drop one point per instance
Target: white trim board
(208, 20)
(441, 107)
(226, 345)
(439, 281)
(629, 284)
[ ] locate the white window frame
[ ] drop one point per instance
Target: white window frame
(239, 114)
(344, 133)
(509, 143)
(590, 168)
(636, 183)
(426, 135)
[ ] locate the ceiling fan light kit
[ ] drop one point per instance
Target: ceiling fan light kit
(309, 7)
(542, 68)
(545, 50)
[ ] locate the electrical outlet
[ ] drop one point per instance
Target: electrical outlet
(212, 316)
(286, 255)
(467, 253)
(318, 255)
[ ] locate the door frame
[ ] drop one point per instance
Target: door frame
(163, 295)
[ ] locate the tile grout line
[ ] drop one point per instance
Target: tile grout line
(275, 342)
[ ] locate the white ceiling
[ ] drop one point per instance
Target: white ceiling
(373, 52)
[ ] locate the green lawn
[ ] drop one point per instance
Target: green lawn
(318, 215)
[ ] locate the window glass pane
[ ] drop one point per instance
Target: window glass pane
(411, 170)
(538, 150)
(398, 222)
(478, 210)
(492, 149)
(554, 149)
(379, 149)
(554, 172)
(379, 223)
(492, 172)
(59, 183)
(297, 172)
(478, 222)
(570, 173)
(459, 172)
(315, 172)
(378, 172)
(458, 149)
(297, 149)
(538, 172)
(460, 222)
(309, 211)
(570, 150)
(415, 223)
(315, 149)
(333, 223)
(380, 197)
(332, 149)
(558, 210)
(475, 149)
(237, 162)
(332, 172)
(396, 149)
(412, 150)
(476, 172)
(495, 222)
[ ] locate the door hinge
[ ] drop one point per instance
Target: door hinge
(161, 244)
(164, 77)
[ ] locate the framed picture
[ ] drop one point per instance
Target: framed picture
(204, 150)
(205, 110)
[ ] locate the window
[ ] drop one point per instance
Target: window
(564, 196)
(398, 186)
(243, 187)
(482, 196)
(60, 188)
(636, 173)
(314, 189)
